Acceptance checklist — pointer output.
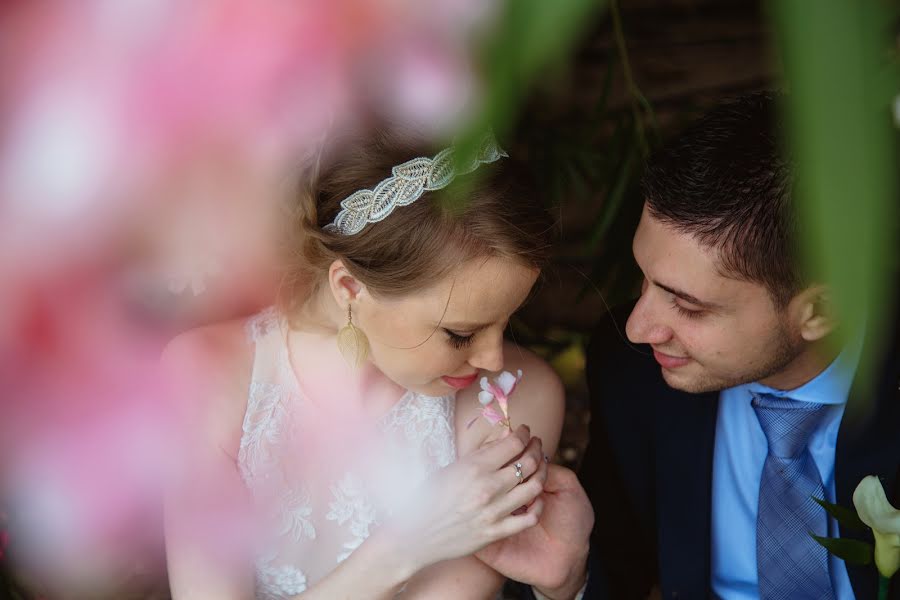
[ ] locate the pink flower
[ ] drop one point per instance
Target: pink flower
(499, 390)
(4, 535)
(491, 414)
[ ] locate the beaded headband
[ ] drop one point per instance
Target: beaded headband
(406, 185)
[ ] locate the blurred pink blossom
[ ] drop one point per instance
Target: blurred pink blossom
(145, 147)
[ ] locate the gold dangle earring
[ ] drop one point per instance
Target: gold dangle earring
(352, 342)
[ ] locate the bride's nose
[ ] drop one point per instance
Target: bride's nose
(488, 355)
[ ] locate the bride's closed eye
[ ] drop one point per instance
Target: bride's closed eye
(459, 341)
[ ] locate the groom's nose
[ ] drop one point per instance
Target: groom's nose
(647, 324)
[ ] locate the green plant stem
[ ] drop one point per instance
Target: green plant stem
(883, 584)
(634, 94)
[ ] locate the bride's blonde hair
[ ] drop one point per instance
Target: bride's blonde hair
(417, 244)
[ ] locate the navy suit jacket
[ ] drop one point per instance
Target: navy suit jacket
(648, 469)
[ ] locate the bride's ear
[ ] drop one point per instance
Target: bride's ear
(345, 288)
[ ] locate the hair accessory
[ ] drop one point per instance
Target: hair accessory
(406, 185)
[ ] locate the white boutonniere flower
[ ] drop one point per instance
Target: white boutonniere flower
(875, 511)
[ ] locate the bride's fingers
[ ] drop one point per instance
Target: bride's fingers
(517, 469)
(498, 453)
(513, 524)
(523, 466)
(537, 507)
(542, 471)
(521, 495)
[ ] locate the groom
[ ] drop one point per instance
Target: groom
(728, 407)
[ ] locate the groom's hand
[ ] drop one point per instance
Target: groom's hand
(552, 555)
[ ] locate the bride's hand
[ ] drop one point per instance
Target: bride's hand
(470, 503)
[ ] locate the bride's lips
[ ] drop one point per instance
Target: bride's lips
(669, 362)
(460, 382)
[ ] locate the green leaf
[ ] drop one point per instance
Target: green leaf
(840, 130)
(532, 39)
(845, 516)
(849, 550)
(613, 202)
(883, 584)
(603, 101)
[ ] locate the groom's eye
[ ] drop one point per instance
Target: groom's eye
(686, 312)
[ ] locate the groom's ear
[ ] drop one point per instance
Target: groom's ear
(813, 311)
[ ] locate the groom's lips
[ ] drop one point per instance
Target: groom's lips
(460, 382)
(669, 362)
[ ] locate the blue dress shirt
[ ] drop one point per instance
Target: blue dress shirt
(740, 451)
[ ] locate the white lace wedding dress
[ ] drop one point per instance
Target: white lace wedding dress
(322, 494)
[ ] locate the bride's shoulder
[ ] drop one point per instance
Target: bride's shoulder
(538, 401)
(539, 380)
(209, 369)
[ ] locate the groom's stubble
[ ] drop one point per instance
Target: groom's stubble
(779, 352)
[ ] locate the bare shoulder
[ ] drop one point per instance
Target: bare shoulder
(540, 399)
(209, 369)
(539, 402)
(541, 389)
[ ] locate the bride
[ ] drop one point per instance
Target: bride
(346, 420)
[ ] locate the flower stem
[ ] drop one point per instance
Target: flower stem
(883, 583)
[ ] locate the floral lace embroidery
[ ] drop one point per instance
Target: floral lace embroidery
(296, 509)
(259, 325)
(351, 502)
(425, 425)
(427, 422)
(261, 429)
(277, 583)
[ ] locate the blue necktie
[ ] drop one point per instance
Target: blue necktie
(791, 565)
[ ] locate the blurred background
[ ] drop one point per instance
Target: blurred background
(144, 147)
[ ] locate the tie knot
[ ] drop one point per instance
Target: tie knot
(787, 423)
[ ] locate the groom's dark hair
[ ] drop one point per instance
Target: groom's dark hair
(727, 182)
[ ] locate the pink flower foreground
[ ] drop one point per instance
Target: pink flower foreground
(146, 150)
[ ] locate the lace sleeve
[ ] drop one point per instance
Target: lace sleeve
(261, 324)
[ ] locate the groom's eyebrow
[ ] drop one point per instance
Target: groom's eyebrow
(687, 297)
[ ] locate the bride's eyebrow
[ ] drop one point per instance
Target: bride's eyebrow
(468, 327)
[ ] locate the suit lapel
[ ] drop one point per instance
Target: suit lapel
(869, 444)
(685, 434)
